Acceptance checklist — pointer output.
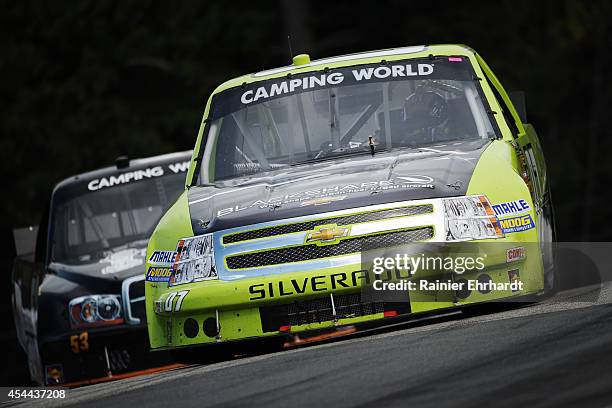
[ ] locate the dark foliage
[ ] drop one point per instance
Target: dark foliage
(84, 82)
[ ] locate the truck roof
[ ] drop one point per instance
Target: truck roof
(305, 65)
(133, 164)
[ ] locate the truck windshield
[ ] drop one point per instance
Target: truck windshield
(268, 125)
(88, 223)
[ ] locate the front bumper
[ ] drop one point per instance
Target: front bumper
(70, 354)
(270, 305)
(85, 355)
(273, 279)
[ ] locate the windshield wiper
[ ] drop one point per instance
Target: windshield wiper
(338, 154)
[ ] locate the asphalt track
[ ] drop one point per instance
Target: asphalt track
(555, 353)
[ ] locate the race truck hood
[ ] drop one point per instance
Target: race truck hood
(116, 265)
(356, 181)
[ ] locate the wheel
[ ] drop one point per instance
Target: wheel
(547, 243)
(207, 354)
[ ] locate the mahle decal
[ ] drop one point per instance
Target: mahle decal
(162, 257)
(511, 207)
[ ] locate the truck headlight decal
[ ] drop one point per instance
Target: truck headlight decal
(95, 310)
(195, 261)
(470, 217)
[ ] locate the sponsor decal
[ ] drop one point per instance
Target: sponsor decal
(195, 260)
(174, 301)
(517, 224)
(323, 200)
(158, 274)
(511, 207)
(179, 167)
(195, 270)
(123, 260)
(417, 181)
(54, 374)
(79, 342)
(324, 80)
(316, 283)
(332, 193)
(162, 258)
(123, 178)
(136, 175)
(514, 277)
(438, 68)
(515, 254)
(326, 234)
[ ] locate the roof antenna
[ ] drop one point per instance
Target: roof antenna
(289, 43)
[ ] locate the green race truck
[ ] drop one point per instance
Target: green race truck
(303, 176)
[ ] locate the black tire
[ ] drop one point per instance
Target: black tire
(215, 353)
(207, 354)
(485, 308)
(547, 246)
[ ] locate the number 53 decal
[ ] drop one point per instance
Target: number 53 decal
(79, 342)
(179, 296)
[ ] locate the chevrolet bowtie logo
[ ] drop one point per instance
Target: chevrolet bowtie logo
(326, 234)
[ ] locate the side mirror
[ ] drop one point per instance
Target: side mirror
(518, 100)
(40, 250)
(25, 240)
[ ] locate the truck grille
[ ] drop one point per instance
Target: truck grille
(340, 220)
(137, 290)
(320, 310)
(133, 298)
(312, 251)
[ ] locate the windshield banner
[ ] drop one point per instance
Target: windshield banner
(237, 98)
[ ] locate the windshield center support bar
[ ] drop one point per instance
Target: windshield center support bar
(334, 123)
(358, 123)
(305, 131)
(268, 118)
(387, 114)
(248, 137)
(94, 222)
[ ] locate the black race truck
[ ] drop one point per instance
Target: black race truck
(78, 279)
